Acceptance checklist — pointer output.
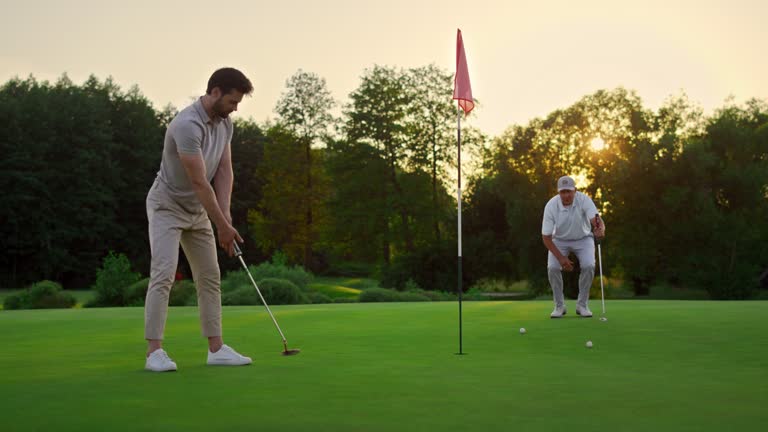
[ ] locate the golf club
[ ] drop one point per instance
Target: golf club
(600, 261)
(286, 351)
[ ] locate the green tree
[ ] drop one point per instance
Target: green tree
(304, 109)
(376, 117)
(431, 130)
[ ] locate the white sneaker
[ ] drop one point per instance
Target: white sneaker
(158, 361)
(226, 356)
(584, 312)
(558, 312)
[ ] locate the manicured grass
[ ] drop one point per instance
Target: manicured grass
(655, 366)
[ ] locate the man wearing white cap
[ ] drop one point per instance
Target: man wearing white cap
(570, 224)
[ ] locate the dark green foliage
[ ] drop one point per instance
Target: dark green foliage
(295, 274)
(114, 277)
(136, 293)
(281, 291)
(345, 300)
(412, 296)
(41, 295)
(373, 295)
(317, 298)
(379, 295)
(183, 293)
(244, 295)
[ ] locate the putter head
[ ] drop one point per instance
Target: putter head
(290, 352)
(603, 319)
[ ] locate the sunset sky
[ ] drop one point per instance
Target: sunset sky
(526, 58)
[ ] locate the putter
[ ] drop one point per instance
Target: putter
(286, 351)
(600, 261)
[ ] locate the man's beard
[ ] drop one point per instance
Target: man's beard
(219, 111)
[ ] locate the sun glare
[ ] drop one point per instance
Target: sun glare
(597, 144)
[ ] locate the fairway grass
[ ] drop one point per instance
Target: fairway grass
(655, 366)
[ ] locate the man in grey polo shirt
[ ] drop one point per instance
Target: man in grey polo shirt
(570, 225)
(180, 207)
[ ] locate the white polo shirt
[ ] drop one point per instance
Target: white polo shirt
(571, 222)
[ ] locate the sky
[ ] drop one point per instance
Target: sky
(526, 58)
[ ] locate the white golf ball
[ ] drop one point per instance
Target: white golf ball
(589, 344)
(522, 330)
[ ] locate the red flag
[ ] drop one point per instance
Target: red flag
(462, 89)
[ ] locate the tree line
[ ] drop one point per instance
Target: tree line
(371, 192)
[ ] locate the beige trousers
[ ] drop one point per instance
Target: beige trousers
(170, 224)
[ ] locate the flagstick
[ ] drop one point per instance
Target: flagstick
(458, 191)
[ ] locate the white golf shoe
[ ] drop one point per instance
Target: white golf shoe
(558, 312)
(584, 312)
(158, 361)
(226, 356)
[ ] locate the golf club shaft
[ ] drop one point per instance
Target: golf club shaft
(240, 257)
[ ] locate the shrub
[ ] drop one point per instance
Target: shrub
(317, 298)
(245, 295)
(474, 294)
(183, 293)
(17, 301)
(114, 276)
(296, 275)
(235, 280)
(379, 295)
(41, 295)
(345, 300)
(281, 291)
(438, 295)
(413, 296)
(136, 293)
(411, 285)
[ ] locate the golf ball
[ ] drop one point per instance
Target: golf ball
(589, 344)
(522, 330)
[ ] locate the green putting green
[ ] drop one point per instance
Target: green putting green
(655, 365)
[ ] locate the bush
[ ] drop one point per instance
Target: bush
(474, 294)
(438, 295)
(317, 298)
(413, 296)
(183, 293)
(42, 295)
(136, 293)
(374, 295)
(16, 301)
(345, 300)
(245, 295)
(492, 285)
(112, 279)
(411, 285)
(237, 279)
(281, 291)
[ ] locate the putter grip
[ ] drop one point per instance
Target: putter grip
(597, 224)
(238, 252)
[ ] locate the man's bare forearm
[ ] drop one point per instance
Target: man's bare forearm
(222, 183)
(207, 197)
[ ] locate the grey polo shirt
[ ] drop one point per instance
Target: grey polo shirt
(192, 132)
(571, 222)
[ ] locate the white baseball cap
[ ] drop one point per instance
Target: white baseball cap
(566, 183)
